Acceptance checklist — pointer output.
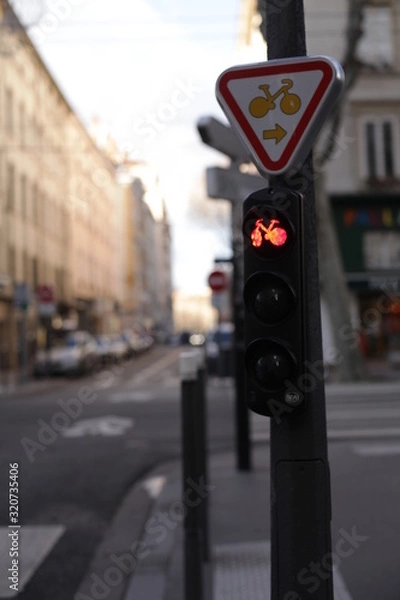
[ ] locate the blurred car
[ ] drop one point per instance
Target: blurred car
(219, 350)
(138, 341)
(103, 343)
(119, 348)
(72, 353)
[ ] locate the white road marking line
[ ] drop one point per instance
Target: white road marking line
(154, 486)
(131, 396)
(377, 449)
(108, 426)
(153, 369)
(35, 543)
(364, 413)
(343, 434)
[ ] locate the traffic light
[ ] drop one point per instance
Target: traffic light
(274, 300)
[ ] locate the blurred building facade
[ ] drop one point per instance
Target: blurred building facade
(363, 177)
(63, 234)
(148, 268)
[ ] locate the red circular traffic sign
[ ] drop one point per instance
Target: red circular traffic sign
(217, 281)
(45, 293)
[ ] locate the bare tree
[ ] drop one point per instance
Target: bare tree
(350, 363)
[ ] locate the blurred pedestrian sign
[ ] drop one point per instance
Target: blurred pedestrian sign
(278, 107)
(21, 295)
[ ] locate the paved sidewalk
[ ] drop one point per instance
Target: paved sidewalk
(239, 526)
(146, 559)
(239, 529)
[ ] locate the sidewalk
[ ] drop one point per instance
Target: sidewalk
(239, 523)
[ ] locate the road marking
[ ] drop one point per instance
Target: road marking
(153, 369)
(35, 543)
(343, 434)
(131, 396)
(365, 413)
(108, 426)
(370, 388)
(154, 486)
(243, 570)
(377, 449)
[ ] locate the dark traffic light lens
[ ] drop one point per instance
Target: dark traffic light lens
(270, 364)
(269, 297)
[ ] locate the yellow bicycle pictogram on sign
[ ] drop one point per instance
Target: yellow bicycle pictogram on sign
(260, 106)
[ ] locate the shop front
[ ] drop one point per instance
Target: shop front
(368, 229)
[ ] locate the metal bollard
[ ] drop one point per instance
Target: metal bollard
(203, 449)
(193, 538)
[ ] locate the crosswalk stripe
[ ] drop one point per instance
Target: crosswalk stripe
(392, 449)
(34, 543)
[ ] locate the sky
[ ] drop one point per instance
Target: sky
(147, 69)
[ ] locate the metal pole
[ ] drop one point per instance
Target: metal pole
(24, 347)
(193, 542)
(300, 481)
(242, 417)
(201, 405)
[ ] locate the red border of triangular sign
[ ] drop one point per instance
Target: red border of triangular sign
(328, 75)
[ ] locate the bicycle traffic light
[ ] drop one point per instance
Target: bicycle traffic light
(273, 298)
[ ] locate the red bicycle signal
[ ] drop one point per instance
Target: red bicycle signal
(276, 235)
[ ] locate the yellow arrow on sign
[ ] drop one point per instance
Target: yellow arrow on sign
(276, 134)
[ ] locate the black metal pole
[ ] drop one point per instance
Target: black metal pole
(193, 539)
(203, 453)
(300, 481)
(242, 417)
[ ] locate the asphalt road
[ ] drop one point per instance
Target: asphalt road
(78, 458)
(81, 445)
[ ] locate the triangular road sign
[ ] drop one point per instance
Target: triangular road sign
(278, 107)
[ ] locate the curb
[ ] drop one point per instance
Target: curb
(117, 555)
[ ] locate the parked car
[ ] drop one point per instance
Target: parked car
(219, 350)
(72, 353)
(103, 343)
(119, 348)
(138, 341)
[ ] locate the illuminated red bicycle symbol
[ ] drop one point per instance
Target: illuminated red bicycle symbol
(276, 235)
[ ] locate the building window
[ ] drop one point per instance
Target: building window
(9, 112)
(23, 195)
(376, 44)
(10, 194)
(35, 273)
(34, 203)
(25, 265)
(381, 250)
(22, 124)
(380, 149)
(11, 262)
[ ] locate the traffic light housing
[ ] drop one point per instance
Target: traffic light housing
(274, 301)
